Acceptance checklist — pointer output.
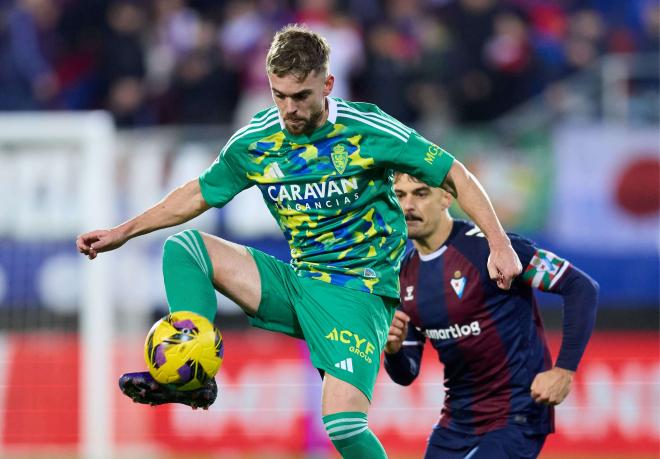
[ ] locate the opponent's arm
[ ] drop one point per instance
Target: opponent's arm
(179, 206)
(503, 263)
(580, 294)
(403, 351)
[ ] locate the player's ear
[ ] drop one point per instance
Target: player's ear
(447, 199)
(329, 84)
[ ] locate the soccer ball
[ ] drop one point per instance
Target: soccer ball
(184, 349)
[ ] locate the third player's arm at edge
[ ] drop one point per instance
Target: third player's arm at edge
(182, 204)
(503, 263)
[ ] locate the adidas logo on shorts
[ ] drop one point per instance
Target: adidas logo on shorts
(346, 364)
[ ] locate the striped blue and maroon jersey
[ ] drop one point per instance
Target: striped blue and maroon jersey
(491, 341)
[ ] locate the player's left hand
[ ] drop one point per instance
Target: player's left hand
(551, 387)
(503, 265)
(398, 332)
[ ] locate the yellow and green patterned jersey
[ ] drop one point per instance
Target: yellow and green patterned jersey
(332, 191)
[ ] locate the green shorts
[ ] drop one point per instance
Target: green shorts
(345, 329)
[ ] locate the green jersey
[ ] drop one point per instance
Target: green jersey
(332, 191)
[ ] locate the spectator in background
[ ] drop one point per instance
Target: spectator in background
(27, 77)
(649, 39)
(122, 52)
(393, 60)
(127, 101)
(365, 12)
(644, 91)
(549, 23)
(429, 91)
(510, 60)
(81, 29)
(122, 66)
(244, 36)
(390, 67)
(204, 89)
(585, 40)
(171, 37)
(582, 45)
(471, 23)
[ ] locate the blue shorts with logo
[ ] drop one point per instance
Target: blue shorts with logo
(505, 443)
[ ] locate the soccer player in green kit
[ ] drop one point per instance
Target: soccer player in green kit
(325, 167)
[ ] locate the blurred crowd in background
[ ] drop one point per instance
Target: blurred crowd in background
(155, 62)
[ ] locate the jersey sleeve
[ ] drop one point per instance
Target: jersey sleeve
(405, 150)
(548, 272)
(542, 269)
(225, 178)
(425, 160)
(422, 159)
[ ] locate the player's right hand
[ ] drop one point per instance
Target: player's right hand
(397, 333)
(95, 242)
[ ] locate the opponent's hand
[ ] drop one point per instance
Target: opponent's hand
(397, 333)
(551, 387)
(504, 266)
(94, 242)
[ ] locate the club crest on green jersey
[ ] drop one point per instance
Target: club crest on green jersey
(339, 158)
(369, 273)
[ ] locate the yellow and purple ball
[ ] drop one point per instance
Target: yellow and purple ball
(183, 349)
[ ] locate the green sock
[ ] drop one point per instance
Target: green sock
(349, 432)
(188, 275)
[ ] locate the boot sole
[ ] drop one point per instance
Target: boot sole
(149, 392)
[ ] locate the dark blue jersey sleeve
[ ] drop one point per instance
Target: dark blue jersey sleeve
(403, 367)
(548, 272)
(580, 293)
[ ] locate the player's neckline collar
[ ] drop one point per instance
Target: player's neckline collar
(332, 110)
(332, 119)
(433, 255)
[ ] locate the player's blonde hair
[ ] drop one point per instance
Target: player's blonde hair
(296, 50)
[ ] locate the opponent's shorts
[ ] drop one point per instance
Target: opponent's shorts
(506, 443)
(345, 329)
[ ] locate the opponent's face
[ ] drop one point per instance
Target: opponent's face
(423, 206)
(301, 104)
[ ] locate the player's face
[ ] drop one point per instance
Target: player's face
(423, 206)
(301, 104)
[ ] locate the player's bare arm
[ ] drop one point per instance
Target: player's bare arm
(181, 205)
(551, 387)
(503, 263)
(397, 333)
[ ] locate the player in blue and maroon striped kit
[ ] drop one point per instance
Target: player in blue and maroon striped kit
(500, 381)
